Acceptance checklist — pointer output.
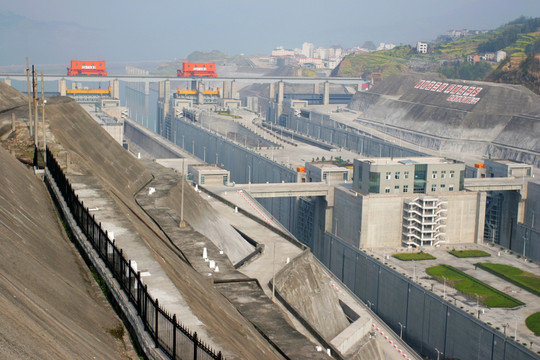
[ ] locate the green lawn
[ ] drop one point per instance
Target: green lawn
(414, 256)
(469, 285)
(533, 323)
(468, 253)
(516, 276)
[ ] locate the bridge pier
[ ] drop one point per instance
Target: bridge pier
(226, 94)
(326, 98)
(115, 89)
(281, 86)
(62, 87)
(233, 90)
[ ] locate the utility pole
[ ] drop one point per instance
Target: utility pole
(28, 93)
(182, 223)
(43, 101)
(34, 88)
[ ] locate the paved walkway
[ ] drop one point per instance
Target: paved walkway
(514, 319)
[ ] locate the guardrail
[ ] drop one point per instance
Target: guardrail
(174, 339)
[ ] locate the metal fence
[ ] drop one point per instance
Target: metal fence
(430, 324)
(174, 339)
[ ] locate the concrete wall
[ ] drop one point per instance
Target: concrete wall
(429, 321)
(322, 127)
(376, 220)
(243, 164)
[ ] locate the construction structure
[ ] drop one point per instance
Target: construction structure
(87, 68)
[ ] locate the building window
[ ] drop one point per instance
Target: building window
(388, 175)
(396, 175)
(345, 177)
(443, 174)
(396, 189)
(202, 179)
(443, 186)
(450, 187)
(406, 174)
(433, 174)
(225, 178)
(433, 187)
(405, 188)
(387, 189)
(374, 182)
(324, 176)
(452, 173)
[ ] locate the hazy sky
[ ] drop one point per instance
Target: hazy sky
(54, 31)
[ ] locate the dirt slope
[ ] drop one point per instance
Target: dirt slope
(51, 306)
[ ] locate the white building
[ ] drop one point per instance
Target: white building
(421, 47)
(308, 49)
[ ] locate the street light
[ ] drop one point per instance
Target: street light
(438, 353)
(524, 243)
(401, 326)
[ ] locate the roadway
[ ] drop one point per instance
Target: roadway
(157, 78)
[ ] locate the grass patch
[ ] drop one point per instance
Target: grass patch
(117, 332)
(516, 276)
(469, 253)
(228, 113)
(489, 296)
(414, 256)
(533, 323)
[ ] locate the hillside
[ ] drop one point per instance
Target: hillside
(51, 306)
(455, 58)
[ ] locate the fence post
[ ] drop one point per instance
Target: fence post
(195, 343)
(139, 293)
(174, 338)
(156, 321)
(113, 263)
(145, 307)
(122, 271)
(129, 279)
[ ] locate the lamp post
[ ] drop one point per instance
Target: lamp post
(444, 288)
(439, 353)
(524, 243)
(401, 326)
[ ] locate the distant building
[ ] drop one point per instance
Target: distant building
(308, 49)
(500, 56)
(407, 202)
(328, 172)
(208, 174)
(384, 46)
(280, 51)
(422, 47)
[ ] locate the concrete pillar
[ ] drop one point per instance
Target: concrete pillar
(62, 87)
(167, 90)
(272, 92)
(7, 81)
(326, 99)
(281, 87)
(233, 90)
(200, 93)
(161, 90)
(115, 89)
(316, 88)
(147, 87)
(227, 89)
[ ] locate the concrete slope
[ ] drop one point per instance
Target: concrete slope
(505, 114)
(302, 286)
(11, 98)
(92, 148)
(51, 306)
(95, 153)
(203, 218)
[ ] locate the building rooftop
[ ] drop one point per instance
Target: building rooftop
(409, 160)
